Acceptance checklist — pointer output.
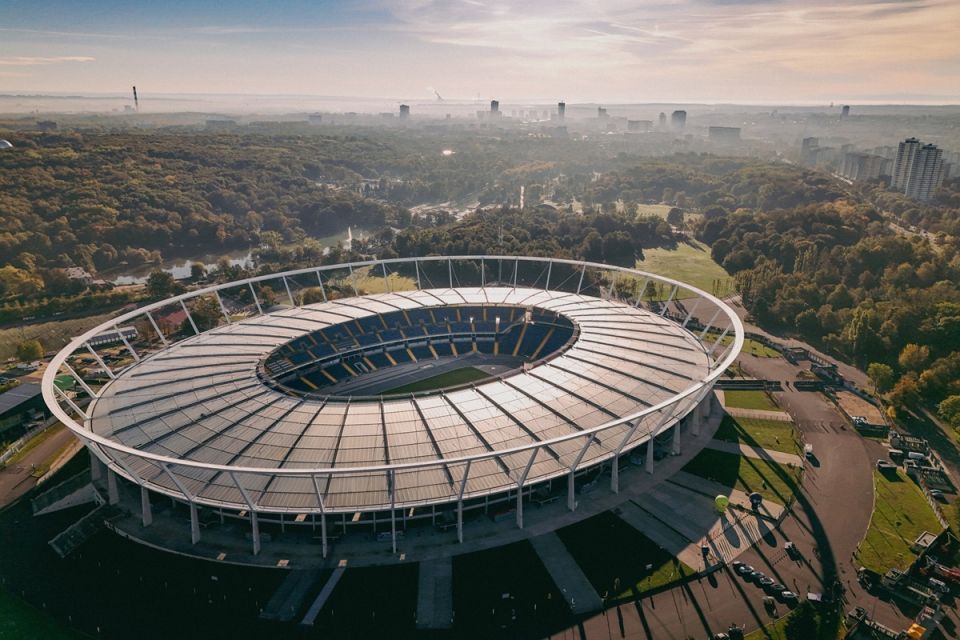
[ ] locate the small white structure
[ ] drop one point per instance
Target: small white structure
(5, 144)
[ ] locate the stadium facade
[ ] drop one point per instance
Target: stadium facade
(296, 405)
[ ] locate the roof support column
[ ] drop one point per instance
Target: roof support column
(516, 271)
(571, 476)
(643, 290)
(690, 313)
(675, 449)
(707, 328)
(520, 481)
(391, 480)
(386, 280)
(483, 276)
(256, 300)
(223, 307)
(254, 523)
(194, 520)
(666, 304)
(96, 356)
(353, 280)
(96, 466)
(286, 285)
(615, 476)
(463, 486)
(145, 511)
(73, 405)
(153, 322)
(718, 341)
(323, 291)
(113, 495)
(126, 343)
(583, 272)
(416, 267)
(450, 271)
(190, 317)
(323, 512)
(194, 524)
(546, 287)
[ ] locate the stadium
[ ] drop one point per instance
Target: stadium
(390, 407)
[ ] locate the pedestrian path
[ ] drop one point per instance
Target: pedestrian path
(566, 573)
(290, 595)
(659, 533)
(755, 452)
(713, 489)
(311, 616)
(435, 594)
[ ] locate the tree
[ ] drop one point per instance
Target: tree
(906, 393)
(949, 410)
(618, 249)
(197, 271)
(808, 324)
(311, 295)
(161, 284)
(29, 350)
(675, 216)
(914, 357)
(802, 623)
(881, 375)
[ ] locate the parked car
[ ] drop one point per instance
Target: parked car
(789, 596)
(766, 582)
(744, 569)
(936, 494)
(776, 587)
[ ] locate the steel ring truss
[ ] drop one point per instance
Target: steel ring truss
(708, 314)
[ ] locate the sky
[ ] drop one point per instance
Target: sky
(612, 51)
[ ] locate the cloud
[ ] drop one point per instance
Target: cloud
(33, 61)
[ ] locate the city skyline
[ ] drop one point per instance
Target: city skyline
(745, 51)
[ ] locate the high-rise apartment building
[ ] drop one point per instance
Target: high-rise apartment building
(918, 170)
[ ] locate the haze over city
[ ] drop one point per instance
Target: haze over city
(750, 51)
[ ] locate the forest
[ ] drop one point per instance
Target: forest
(811, 256)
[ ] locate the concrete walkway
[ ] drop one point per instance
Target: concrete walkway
(755, 452)
(713, 489)
(566, 573)
(324, 595)
(759, 414)
(435, 594)
(290, 595)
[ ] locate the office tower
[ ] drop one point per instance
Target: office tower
(601, 112)
(561, 110)
(678, 120)
(494, 106)
(663, 120)
(918, 170)
(861, 166)
(404, 111)
(845, 111)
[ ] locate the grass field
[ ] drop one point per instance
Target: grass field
(439, 381)
(775, 482)
(658, 210)
(768, 434)
(901, 513)
(691, 264)
(750, 399)
(52, 335)
(751, 347)
(19, 620)
(620, 575)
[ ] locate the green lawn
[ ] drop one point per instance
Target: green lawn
(767, 434)
(658, 210)
(20, 620)
(750, 399)
(901, 513)
(751, 347)
(691, 264)
(623, 574)
(775, 482)
(439, 381)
